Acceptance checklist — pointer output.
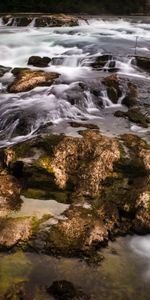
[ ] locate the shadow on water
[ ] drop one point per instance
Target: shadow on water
(119, 276)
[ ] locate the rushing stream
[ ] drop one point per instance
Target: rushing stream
(71, 49)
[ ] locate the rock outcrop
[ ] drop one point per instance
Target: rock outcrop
(106, 181)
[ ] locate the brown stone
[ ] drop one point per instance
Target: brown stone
(9, 194)
(27, 80)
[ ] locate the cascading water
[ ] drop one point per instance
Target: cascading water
(78, 94)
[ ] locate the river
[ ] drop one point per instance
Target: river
(72, 50)
(125, 271)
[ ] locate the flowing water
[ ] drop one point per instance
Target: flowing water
(71, 97)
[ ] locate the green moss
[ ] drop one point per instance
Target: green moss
(45, 163)
(42, 194)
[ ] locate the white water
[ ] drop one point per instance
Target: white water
(73, 48)
(140, 245)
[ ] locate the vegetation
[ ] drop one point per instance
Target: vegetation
(75, 6)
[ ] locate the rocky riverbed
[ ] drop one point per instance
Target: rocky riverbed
(75, 153)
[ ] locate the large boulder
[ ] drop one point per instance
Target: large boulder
(27, 80)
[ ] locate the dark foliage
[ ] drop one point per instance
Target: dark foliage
(75, 6)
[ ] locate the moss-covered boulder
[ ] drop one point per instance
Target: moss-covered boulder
(13, 231)
(107, 180)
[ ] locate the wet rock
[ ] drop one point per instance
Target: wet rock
(101, 61)
(13, 231)
(131, 97)
(38, 61)
(113, 87)
(56, 21)
(27, 80)
(112, 94)
(81, 233)
(17, 71)
(134, 115)
(4, 70)
(89, 126)
(23, 21)
(143, 62)
(9, 194)
(65, 290)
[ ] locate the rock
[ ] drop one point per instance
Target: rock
(38, 61)
(23, 21)
(112, 94)
(113, 87)
(134, 115)
(88, 176)
(17, 71)
(13, 231)
(106, 180)
(56, 20)
(143, 62)
(27, 80)
(4, 70)
(130, 99)
(82, 232)
(9, 194)
(101, 61)
(65, 290)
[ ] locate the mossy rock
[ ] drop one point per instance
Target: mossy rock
(43, 194)
(135, 116)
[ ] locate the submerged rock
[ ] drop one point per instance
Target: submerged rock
(38, 61)
(65, 290)
(27, 80)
